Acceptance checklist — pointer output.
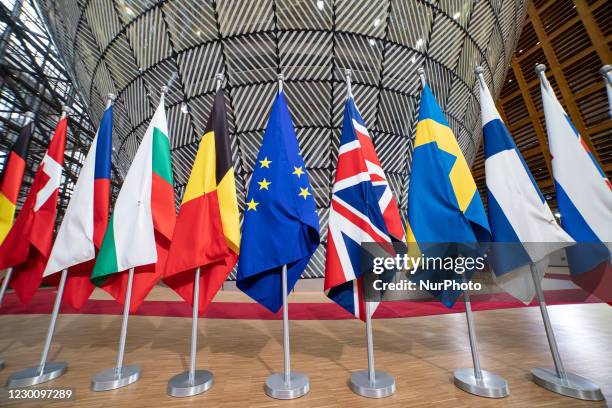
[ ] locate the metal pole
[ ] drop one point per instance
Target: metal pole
(6, 34)
(371, 371)
(540, 70)
(219, 80)
(348, 73)
(472, 334)
(478, 71)
(550, 335)
(124, 325)
(280, 82)
(110, 99)
(5, 282)
(287, 371)
(421, 73)
(194, 326)
(606, 72)
(51, 330)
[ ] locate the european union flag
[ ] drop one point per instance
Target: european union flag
(281, 226)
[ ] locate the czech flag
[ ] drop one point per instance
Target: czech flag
(86, 217)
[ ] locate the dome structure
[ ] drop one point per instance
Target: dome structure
(133, 47)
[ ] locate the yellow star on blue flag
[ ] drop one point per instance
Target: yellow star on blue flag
(282, 228)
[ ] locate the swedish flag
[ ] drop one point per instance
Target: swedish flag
(281, 226)
(444, 205)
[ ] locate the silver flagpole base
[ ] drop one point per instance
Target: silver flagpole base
(383, 386)
(109, 379)
(31, 375)
(276, 387)
(574, 386)
(180, 386)
(490, 386)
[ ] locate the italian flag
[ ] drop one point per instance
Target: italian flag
(141, 227)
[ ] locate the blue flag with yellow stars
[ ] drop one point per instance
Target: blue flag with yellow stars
(281, 226)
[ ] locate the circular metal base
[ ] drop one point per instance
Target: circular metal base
(383, 385)
(32, 376)
(277, 388)
(490, 386)
(110, 379)
(574, 386)
(180, 386)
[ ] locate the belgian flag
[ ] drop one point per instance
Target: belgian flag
(11, 178)
(207, 232)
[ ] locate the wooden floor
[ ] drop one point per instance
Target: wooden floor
(420, 352)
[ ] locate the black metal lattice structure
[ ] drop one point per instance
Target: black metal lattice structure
(33, 78)
(132, 48)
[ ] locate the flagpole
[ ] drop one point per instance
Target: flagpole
(194, 326)
(475, 380)
(192, 381)
(370, 383)
(472, 335)
(45, 371)
(288, 385)
(5, 282)
(121, 375)
(370, 341)
(558, 380)
(606, 72)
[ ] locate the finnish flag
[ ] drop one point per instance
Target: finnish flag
(524, 230)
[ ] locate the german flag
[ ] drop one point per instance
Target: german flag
(11, 178)
(207, 232)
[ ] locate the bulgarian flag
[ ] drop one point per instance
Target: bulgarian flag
(141, 227)
(207, 234)
(12, 176)
(86, 218)
(27, 246)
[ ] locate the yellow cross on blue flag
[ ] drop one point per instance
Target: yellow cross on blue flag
(444, 206)
(281, 226)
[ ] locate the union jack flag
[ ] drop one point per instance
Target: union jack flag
(362, 209)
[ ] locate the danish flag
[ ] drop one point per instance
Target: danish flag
(362, 209)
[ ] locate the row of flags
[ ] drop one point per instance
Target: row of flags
(281, 227)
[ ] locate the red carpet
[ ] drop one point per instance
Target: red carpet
(43, 304)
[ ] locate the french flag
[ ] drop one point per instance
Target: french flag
(80, 235)
(524, 230)
(584, 197)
